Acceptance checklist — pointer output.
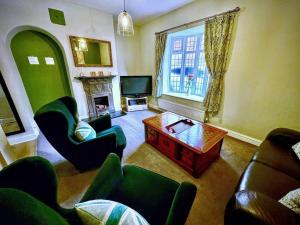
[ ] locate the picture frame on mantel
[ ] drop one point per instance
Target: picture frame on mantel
(9, 117)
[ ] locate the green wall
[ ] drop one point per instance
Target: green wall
(43, 83)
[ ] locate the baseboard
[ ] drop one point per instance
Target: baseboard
(231, 133)
(239, 136)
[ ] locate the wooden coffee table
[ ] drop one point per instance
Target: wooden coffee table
(191, 144)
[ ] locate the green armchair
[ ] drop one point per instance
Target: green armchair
(57, 120)
(28, 187)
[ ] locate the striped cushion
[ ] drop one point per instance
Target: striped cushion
(84, 131)
(105, 212)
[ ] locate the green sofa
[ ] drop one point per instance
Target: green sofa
(28, 192)
(58, 119)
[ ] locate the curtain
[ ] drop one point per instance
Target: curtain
(218, 32)
(160, 45)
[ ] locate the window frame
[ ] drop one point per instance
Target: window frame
(197, 91)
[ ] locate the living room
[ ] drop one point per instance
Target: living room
(258, 91)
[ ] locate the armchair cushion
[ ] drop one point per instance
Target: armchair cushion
(108, 212)
(292, 200)
(84, 131)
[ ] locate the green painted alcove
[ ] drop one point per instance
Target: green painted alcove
(43, 82)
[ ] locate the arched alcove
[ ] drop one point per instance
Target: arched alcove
(41, 64)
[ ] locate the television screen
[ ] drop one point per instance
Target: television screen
(136, 85)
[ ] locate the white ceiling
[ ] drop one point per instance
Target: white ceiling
(140, 10)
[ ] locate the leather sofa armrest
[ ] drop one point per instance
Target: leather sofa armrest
(284, 136)
(248, 207)
(108, 176)
(101, 123)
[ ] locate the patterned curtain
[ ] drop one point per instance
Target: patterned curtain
(218, 32)
(160, 45)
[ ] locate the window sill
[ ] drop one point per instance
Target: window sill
(184, 96)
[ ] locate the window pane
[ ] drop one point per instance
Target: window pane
(189, 60)
(177, 45)
(191, 43)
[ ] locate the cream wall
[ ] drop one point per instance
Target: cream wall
(262, 84)
(128, 53)
(80, 21)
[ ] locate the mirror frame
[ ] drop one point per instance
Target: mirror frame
(74, 38)
(12, 106)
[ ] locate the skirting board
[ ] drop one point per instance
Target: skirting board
(239, 136)
(231, 133)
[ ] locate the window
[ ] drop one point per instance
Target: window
(184, 64)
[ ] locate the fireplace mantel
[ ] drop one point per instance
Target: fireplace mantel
(94, 77)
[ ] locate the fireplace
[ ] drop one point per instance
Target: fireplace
(101, 104)
(99, 95)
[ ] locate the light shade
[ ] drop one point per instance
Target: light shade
(125, 25)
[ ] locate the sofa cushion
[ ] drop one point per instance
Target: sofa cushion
(273, 183)
(106, 212)
(296, 149)
(278, 157)
(292, 200)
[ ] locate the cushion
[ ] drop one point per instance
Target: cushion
(292, 200)
(84, 131)
(105, 212)
(296, 149)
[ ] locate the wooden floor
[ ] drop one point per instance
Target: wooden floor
(215, 185)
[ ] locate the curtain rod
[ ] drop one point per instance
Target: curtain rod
(198, 21)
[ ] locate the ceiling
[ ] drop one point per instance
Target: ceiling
(140, 10)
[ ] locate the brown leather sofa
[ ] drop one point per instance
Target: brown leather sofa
(273, 171)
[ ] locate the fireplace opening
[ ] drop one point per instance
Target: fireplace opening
(101, 105)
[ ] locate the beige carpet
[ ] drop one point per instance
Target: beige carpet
(215, 186)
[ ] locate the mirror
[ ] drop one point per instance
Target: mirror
(89, 52)
(9, 118)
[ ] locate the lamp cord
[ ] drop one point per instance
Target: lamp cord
(124, 5)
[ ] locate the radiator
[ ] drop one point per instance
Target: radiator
(193, 113)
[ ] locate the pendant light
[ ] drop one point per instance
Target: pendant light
(125, 25)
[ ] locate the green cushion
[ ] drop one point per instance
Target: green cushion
(84, 132)
(107, 212)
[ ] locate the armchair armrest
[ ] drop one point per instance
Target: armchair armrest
(101, 123)
(18, 207)
(108, 176)
(248, 207)
(181, 204)
(93, 152)
(284, 136)
(33, 175)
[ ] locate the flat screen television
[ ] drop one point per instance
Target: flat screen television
(136, 86)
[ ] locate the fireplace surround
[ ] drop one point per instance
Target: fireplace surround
(99, 94)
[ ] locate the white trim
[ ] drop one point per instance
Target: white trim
(239, 136)
(185, 96)
(22, 138)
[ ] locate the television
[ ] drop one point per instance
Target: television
(136, 86)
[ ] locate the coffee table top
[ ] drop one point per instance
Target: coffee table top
(199, 137)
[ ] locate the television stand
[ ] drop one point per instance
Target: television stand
(134, 104)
